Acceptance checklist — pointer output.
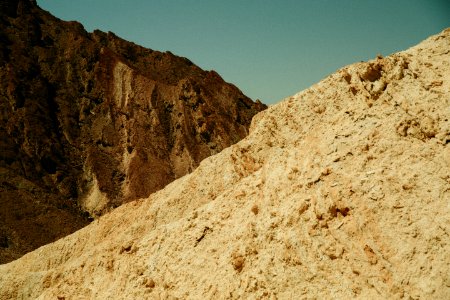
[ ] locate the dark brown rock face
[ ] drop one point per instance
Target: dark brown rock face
(89, 121)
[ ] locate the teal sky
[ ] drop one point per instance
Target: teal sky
(269, 49)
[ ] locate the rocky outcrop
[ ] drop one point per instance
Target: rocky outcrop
(340, 191)
(90, 121)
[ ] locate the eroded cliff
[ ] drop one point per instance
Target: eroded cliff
(90, 121)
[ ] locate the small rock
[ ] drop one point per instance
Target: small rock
(238, 263)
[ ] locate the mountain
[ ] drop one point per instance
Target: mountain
(90, 121)
(340, 191)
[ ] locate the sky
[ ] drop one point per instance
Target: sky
(270, 49)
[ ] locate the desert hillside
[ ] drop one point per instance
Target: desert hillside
(341, 191)
(90, 121)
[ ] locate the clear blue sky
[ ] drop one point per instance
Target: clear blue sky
(269, 49)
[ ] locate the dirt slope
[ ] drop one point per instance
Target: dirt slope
(340, 191)
(89, 121)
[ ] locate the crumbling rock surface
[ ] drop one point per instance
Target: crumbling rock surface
(341, 191)
(90, 121)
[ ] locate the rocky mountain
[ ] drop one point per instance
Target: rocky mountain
(90, 121)
(341, 191)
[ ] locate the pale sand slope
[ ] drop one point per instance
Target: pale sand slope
(340, 191)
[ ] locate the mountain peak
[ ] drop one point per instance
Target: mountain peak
(14, 8)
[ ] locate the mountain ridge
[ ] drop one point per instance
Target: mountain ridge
(90, 121)
(340, 191)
